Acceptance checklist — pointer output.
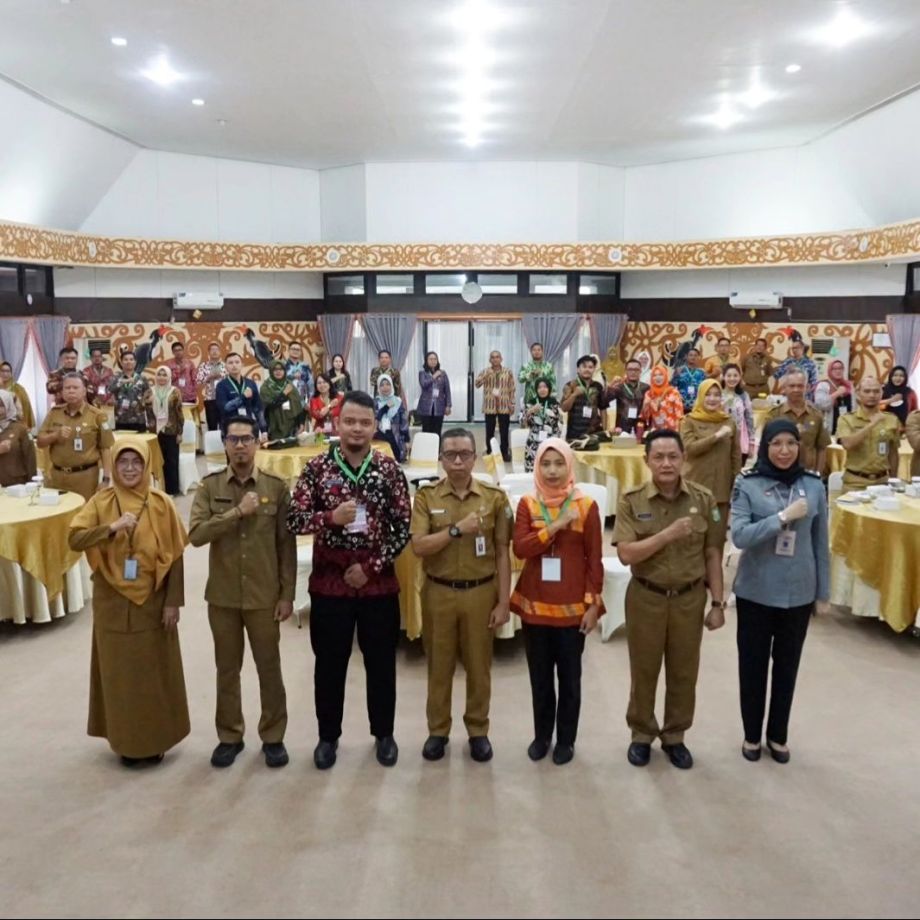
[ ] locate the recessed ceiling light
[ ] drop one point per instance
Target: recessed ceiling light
(119, 42)
(793, 68)
(756, 96)
(198, 102)
(724, 118)
(842, 30)
(222, 122)
(161, 72)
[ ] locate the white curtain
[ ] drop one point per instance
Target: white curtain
(507, 337)
(578, 346)
(33, 378)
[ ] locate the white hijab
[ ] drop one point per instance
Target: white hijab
(12, 409)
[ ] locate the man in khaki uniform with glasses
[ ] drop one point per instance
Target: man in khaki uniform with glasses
(871, 439)
(461, 528)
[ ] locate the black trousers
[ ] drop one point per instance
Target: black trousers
(554, 649)
(212, 414)
(763, 631)
(503, 423)
(332, 633)
(169, 447)
(432, 424)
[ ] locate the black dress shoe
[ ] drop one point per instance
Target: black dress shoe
(276, 754)
(434, 747)
(225, 753)
(678, 755)
(778, 755)
(387, 751)
(639, 753)
(324, 754)
(563, 753)
(751, 754)
(538, 749)
(480, 749)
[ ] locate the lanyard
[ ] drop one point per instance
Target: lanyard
(630, 393)
(545, 511)
(131, 531)
(346, 469)
(586, 388)
(239, 387)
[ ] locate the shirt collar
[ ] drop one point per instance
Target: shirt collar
(231, 476)
(445, 487)
(653, 490)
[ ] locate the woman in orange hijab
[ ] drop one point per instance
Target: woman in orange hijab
(663, 406)
(558, 533)
(134, 540)
(713, 447)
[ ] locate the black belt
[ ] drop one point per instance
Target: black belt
(667, 592)
(868, 475)
(461, 585)
(75, 469)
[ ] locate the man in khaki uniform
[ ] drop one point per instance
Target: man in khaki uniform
(668, 532)
(871, 439)
(79, 439)
(461, 528)
(242, 512)
(756, 370)
(813, 434)
(716, 363)
(912, 433)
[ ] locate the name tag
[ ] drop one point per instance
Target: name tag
(327, 427)
(125, 403)
(286, 406)
(496, 392)
(644, 516)
(842, 410)
(359, 524)
(542, 435)
(785, 543)
(632, 412)
(78, 444)
(182, 381)
(691, 391)
(883, 448)
(437, 510)
(385, 423)
(242, 411)
(130, 570)
(587, 412)
(435, 393)
(480, 546)
(551, 568)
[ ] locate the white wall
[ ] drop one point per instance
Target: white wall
(343, 204)
(53, 167)
(175, 196)
(131, 282)
(601, 202)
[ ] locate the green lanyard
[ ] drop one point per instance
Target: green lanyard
(239, 387)
(346, 469)
(586, 387)
(545, 511)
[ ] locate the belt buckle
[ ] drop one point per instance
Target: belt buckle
(672, 592)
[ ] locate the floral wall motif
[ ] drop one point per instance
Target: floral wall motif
(197, 336)
(22, 243)
(661, 340)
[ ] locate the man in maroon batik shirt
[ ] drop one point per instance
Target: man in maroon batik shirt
(184, 374)
(355, 501)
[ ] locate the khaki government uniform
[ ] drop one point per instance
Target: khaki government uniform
(813, 433)
(661, 626)
(71, 469)
(871, 463)
(712, 462)
(252, 565)
(455, 620)
(755, 374)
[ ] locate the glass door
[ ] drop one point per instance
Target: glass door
(451, 340)
(504, 336)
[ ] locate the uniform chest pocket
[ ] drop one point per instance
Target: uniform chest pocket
(698, 524)
(267, 509)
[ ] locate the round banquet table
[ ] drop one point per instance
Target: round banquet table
(41, 578)
(617, 468)
(289, 463)
(837, 459)
(875, 561)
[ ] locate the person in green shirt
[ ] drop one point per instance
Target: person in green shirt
(535, 370)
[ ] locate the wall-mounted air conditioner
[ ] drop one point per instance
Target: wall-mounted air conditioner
(824, 350)
(757, 300)
(188, 300)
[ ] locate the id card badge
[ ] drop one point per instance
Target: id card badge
(78, 444)
(435, 393)
(480, 546)
(359, 524)
(496, 392)
(842, 410)
(125, 403)
(286, 406)
(182, 383)
(883, 448)
(327, 427)
(551, 568)
(130, 570)
(242, 411)
(385, 424)
(542, 434)
(785, 543)
(587, 412)
(632, 412)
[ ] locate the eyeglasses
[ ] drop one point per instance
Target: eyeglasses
(243, 439)
(127, 465)
(452, 456)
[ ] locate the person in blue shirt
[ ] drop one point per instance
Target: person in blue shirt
(798, 360)
(779, 522)
(237, 395)
(434, 400)
(299, 372)
(687, 379)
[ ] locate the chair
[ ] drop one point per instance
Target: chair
(497, 460)
(484, 477)
(189, 477)
(214, 451)
(518, 443)
(302, 582)
(598, 493)
(616, 581)
(518, 484)
(425, 448)
(834, 489)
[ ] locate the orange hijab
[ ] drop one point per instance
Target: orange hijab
(555, 496)
(654, 391)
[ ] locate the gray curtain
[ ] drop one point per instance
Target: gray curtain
(50, 336)
(14, 342)
(553, 330)
(606, 331)
(904, 330)
(337, 330)
(391, 332)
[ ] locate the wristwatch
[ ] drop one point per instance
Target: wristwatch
(454, 531)
(718, 604)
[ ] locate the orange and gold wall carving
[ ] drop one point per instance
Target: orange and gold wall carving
(197, 336)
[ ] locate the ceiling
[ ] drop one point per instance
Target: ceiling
(322, 83)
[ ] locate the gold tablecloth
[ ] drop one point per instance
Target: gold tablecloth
(759, 417)
(35, 538)
(837, 460)
(883, 549)
(153, 445)
(289, 463)
(625, 464)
